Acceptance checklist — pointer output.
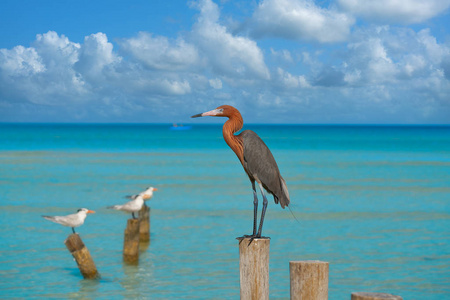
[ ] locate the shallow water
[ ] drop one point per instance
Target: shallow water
(372, 201)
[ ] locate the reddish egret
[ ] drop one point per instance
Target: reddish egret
(257, 160)
(73, 220)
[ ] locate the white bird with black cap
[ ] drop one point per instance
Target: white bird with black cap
(72, 220)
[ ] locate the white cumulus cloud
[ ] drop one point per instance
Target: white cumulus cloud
(158, 52)
(216, 83)
(228, 55)
(299, 20)
(20, 61)
(95, 55)
(388, 55)
(56, 50)
(42, 73)
(399, 11)
(290, 81)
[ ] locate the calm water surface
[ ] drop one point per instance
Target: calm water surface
(372, 201)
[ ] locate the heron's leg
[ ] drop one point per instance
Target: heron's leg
(73, 230)
(133, 215)
(263, 212)
(255, 208)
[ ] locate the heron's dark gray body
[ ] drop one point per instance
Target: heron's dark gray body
(260, 166)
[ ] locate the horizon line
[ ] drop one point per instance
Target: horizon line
(219, 124)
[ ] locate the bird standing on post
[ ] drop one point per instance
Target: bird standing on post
(132, 206)
(147, 194)
(73, 220)
(257, 160)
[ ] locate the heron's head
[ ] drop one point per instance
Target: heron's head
(221, 111)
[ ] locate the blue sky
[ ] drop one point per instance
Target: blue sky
(277, 61)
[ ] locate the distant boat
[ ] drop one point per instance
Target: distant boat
(180, 127)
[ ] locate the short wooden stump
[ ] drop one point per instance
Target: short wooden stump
(82, 256)
(309, 280)
(131, 241)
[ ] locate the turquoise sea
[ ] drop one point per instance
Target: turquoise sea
(373, 201)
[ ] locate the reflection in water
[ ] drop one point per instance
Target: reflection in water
(131, 280)
(89, 287)
(143, 246)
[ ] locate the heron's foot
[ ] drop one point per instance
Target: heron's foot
(245, 236)
(254, 236)
(251, 237)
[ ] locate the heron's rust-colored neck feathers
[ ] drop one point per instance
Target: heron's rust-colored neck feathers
(232, 125)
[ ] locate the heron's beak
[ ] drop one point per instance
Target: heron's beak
(155, 189)
(212, 113)
(90, 212)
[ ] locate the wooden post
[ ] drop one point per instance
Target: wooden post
(374, 296)
(254, 268)
(82, 256)
(144, 224)
(131, 241)
(309, 280)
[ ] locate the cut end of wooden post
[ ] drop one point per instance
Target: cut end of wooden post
(74, 242)
(241, 238)
(374, 296)
(132, 224)
(309, 279)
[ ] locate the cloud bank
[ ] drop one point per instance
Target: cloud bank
(349, 74)
(299, 19)
(398, 12)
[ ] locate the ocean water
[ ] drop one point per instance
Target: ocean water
(373, 201)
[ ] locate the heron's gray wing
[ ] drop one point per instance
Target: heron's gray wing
(260, 163)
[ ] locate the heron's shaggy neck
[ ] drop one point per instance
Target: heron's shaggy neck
(232, 125)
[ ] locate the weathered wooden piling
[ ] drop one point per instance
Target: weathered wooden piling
(309, 280)
(131, 242)
(374, 296)
(82, 256)
(254, 268)
(144, 224)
